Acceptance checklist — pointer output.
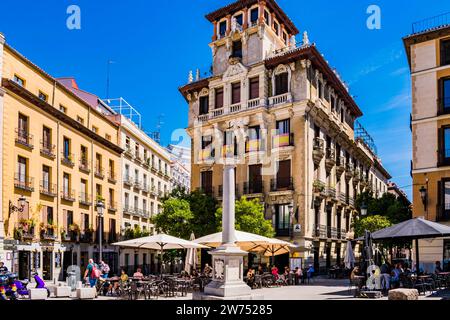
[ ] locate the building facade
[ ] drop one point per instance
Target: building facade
(287, 118)
(428, 51)
(181, 167)
(146, 179)
(59, 156)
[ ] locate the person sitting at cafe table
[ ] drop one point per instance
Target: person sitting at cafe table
(260, 269)
(251, 277)
(395, 276)
(207, 270)
(138, 274)
(437, 267)
(298, 275)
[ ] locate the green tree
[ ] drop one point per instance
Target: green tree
(175, 218)
(203, 209)
(370, 223)
(388, 205)
(250, 217)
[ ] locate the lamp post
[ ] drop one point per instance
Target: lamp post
(12, 208)
(424, 196)
(364, 209)
(100, 209)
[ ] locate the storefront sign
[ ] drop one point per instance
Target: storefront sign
(297, 228)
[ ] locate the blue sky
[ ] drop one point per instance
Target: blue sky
(155, 44)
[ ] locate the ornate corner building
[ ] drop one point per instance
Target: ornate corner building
(281, 111)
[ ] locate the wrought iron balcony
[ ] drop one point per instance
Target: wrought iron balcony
(319, 231)
(68, 195)
(84, 165)
(23, 182)
(128, 209)
(330, 159)
(99, 173)
(112, 177)
(48, 150)
(281, 184)
(128, 180)
(24, 138)
(137, 184)
(48, 233)
(47, 189)
(68, 159)
(85, 199)
(254, 187)
(128, 152)
(112, 206)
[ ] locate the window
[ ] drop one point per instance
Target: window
(127, 200)
(282, 220)
(80, 120)
(237, 49)
(445, 96)
(98, 190)
(239, 19)
(254, 15)
(98, 163)
(284, 174)
(136, 202)
(128, 142)
(206, 181)
(66, 148)
(222, 28)
(333, 103)
(62, 108)
(236, 93)
(22, 172)
(22, 131)
(276, 28)
(47, 139)
(111, 196)
(46, 178)
(320, 89)
(218, 98)
(285, 38)
(206, 142)
(254, 88)
(267, 17)
(43, 96)
(445, 52)
(204, 105)
(445, 145)
(281, 83)
(19, 80)
(66, 184)
(94, 129)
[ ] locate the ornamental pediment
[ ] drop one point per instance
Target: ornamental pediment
(236, 70)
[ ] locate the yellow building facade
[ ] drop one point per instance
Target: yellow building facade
(428, 52)
(60, 154)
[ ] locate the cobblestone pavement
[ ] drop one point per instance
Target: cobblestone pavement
(320, 289)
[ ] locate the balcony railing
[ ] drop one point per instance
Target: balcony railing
(342, 197)
(145, 187)
(128, 152)
(332, 232)
(23, 182)
(330, 192)
(68, 159)
(254, 103)
(137, 184)
(138, 157)
(341, 234)
(48, 233)
(48, 150)
(24, 138)
(128, 180)
(47, 189)
(220, 191)
(24, 231)
(283, 140)
(68, 195)
(319, 231)
(128, 209)
(254, 187)
(206, 154)
(87, 236)
(85, 199)
(84, 165)
(112, 206)
(99, 173)
(229, 151)
(112, 177)
(281, 184)
(431, 23)
(280, 99)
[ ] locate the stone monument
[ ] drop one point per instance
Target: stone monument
(228, 259)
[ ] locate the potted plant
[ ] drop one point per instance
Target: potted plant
(318, 186)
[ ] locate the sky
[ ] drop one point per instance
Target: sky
(154, 45)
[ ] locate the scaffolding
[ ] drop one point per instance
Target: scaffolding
(362, 135)
(121, 106)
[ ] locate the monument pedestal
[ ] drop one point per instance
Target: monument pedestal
(228, 282)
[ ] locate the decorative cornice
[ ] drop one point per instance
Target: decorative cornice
(44, 106)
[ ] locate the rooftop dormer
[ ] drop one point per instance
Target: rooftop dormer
(249, 30)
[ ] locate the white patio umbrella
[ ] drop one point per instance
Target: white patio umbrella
(191, 260)
(159, 242)
(246, 241)
(349, 259)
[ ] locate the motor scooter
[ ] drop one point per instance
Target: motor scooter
(3, 285)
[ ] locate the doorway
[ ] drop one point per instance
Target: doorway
(24, 265)
(316, 257)
(328, 253)
(47, 264)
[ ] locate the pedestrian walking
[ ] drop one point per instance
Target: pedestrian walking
(92, 273)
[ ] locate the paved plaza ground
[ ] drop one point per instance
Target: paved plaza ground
(321, 289)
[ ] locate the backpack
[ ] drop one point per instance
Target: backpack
(96, 273)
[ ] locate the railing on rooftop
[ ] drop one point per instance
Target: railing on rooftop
(431, 23)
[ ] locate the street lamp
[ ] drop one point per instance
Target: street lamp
(100, 209)
(364, 209)
(22, 202)
(424, 195)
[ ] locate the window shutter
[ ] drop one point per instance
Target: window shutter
(236, 93)
(254, 88)
(219, 98)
